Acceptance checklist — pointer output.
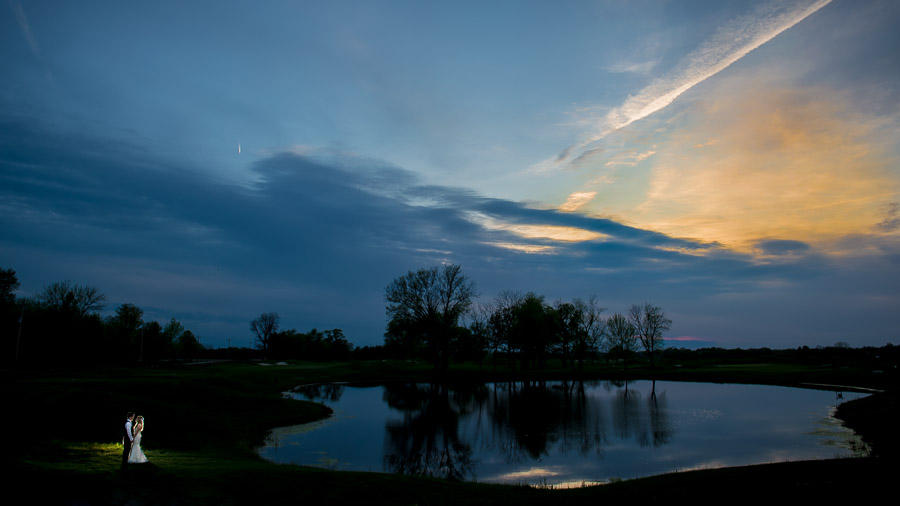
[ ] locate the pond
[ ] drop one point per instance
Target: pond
(562, 433)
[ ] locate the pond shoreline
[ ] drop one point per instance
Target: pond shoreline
(544, 422)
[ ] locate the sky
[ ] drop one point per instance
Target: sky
(733, 162)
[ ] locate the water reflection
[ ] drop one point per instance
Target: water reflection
(426, 440)
(540, 431)
(517, 421)
(320, 392)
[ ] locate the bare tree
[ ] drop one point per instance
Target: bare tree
(591, 328)
(264, 327)
(568, 326)
(501, 321)
(649, 322)
(621, 335)
(66, 296)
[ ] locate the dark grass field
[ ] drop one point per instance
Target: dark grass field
(61, 430)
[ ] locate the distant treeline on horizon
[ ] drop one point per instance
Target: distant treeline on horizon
(61, 325)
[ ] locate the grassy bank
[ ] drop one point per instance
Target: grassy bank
(204, 420)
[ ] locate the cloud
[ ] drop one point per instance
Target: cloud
(731, 42)
(782, 247)
(630, 159)
(634, 67)
(576, 201)
(891, 221)
(317, 237)
(795, 164)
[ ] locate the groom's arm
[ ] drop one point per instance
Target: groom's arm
(128, 430)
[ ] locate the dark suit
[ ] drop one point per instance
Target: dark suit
(126, 443)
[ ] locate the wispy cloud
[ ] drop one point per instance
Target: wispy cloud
(634, 67)
(576, 201)
(630, 159)
(312, 237)
(730, 43)
(891, 221)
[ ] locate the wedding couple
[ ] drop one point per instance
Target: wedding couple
(132, 453)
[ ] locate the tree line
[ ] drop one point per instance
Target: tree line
(290, 344)
(432, 314)
(62, 324)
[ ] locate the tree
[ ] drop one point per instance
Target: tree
(9, 283)
(649, 323)
(123, 330)
(171, 334)
(479, 338)
(590, 329)
(264, 327)
(568, 325)
(66, 297)
(621, 335)
(427, 305)
(188, 346)
(532, 330)
(501, 323)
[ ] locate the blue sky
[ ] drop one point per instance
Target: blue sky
(733, 162)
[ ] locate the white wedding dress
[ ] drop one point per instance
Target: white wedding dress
(137, 455)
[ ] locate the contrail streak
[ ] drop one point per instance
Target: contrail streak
(730, 43)
(22, 19)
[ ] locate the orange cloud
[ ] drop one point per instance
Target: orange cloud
(785, 164)
(576, 201)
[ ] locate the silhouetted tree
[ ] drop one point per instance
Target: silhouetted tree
(9, 315)
(568, 325)
(532, 330)
(476, 345)
(64, 296)
(428, 304)
(124, 332)
(649, 322)
(590, 329)
(501, 322)
(621, 336)
(263, 328)
(9, 283)
(188, 346)
(171, 333)
(153, 345)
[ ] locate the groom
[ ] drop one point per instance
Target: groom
(126, 442)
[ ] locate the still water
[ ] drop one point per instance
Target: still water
(562, 433)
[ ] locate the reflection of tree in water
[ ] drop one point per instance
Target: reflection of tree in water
(660, 426)
(529, 418)
(321, 392)
(520, 421)
(426, 441)
(626, 413)
(652, 428)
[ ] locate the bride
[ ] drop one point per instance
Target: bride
(137, 455)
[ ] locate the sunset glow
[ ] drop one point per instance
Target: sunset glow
(735, 163)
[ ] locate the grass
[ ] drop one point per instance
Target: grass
(203, 422)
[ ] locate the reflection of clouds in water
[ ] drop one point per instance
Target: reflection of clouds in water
(710, 464)
(690, 417)
(532, 475)
(327, 462)
(830, 432)
(490, 433)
